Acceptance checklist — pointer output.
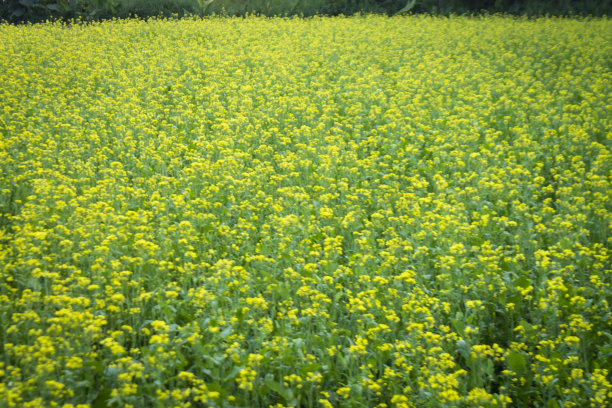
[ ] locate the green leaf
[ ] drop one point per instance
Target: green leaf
(309, 368)
(96, 365)
(517, 362)
(529, 329)
(459, 326)
(101, 400)
(226, 332)
(279, 389)
(489, 368)
(523, 282)
(463, 348)
(232, 374)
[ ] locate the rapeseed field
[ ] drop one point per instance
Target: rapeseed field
(323, 212)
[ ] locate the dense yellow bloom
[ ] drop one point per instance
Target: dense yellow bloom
(392, 212)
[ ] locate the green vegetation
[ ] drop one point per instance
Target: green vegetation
(361, 211)
(40, 10)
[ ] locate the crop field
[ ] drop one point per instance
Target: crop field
(326, 212)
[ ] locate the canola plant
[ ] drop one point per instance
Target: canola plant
(324, 212)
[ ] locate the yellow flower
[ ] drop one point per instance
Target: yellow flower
(343, 392)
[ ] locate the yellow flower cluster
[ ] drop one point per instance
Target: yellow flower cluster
(365, 211)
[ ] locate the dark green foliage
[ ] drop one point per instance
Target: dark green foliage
(41, 10)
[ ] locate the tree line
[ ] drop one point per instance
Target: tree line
(16, 11)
